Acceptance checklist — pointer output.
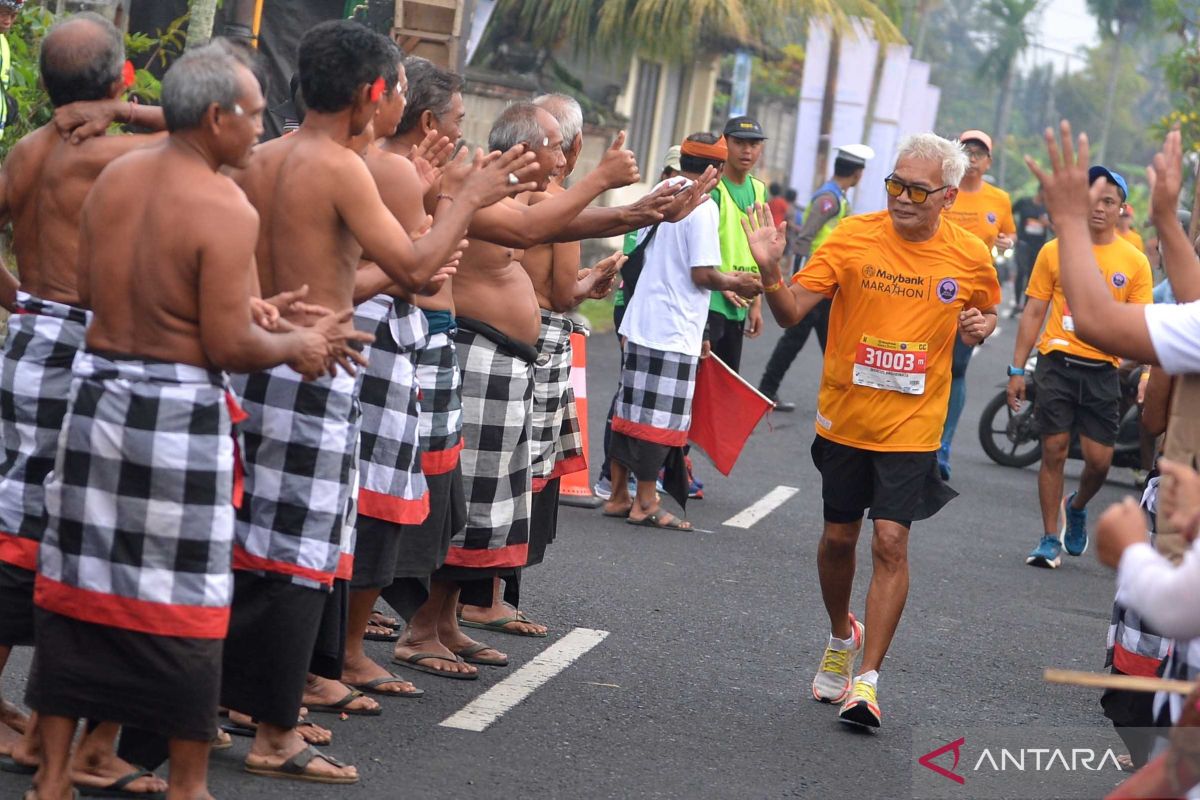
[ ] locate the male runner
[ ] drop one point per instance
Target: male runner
(134, 584)
(905, 284)
(1078, 388)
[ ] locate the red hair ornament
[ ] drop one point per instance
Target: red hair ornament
(377, 90)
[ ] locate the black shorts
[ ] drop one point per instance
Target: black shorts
(1077, 394)
(16, 605)
(897, 486)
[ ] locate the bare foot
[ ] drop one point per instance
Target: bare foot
(27, 753)
(324, 692)
(383, 620)
(262, 757)
(618, 508)
(356, 672)
(308, 730)
(13, 717)
(407, 648)
(379, 631)
(8, 740)
(520, 625)
(100, 771)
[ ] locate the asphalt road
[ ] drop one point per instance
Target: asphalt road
(701, 688)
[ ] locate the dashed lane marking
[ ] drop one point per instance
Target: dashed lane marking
(505, 695)
(768, 503)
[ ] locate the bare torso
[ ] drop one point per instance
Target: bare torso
(492, 286)
(552, 268)
(47, 182)
(146, 224)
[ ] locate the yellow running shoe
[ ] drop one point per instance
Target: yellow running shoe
(861, 708)
(833, 679)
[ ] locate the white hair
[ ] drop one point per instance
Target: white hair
(931, 147)
(566, 110)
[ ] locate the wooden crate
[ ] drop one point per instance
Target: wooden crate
(430, 29)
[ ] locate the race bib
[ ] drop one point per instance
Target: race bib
(1068, 319)
(891, 366)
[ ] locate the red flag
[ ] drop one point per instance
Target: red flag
(725, 411)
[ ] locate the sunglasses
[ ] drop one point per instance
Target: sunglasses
(918, 194)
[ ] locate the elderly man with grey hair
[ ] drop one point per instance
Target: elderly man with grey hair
(905, 283)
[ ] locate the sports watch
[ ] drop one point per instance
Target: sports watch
(1015, 370)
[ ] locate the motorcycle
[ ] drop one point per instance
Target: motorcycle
(1011, 439)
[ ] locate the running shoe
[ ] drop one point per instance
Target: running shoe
(603, 489)
(1047, 554)
(832, 681)
(861, 707)
(1074, 527)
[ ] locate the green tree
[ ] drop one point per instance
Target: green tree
(202, 13)
(1011, 35)
(1120, 21)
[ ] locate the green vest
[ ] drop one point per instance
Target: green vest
(5, 80)
(735, 248)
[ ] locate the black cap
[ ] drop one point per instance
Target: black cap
(744, 128)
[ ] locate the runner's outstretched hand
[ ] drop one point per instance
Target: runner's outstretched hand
(767, 240)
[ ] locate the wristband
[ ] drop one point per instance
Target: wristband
(1012, 371)
(775, 287)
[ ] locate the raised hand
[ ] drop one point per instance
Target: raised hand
(650, 208)
(604, 274)
(767, 240)
(493, 180)
(693, 196)
(1065, 188)
(618, 166)
(434, 149)
(1165, 176)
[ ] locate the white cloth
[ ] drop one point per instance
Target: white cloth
(668, 310)
(1164, 595)
(1175, 336)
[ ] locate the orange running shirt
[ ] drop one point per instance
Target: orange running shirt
(892, 328)
(986, 213)
(1134, 238)
(1126, 274)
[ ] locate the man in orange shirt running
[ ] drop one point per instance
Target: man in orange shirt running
(906, 284)
(985, 211)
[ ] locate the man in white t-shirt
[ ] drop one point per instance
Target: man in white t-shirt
(663, 328)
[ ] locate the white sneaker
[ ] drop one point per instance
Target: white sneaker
(836, 675)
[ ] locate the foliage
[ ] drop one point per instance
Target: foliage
(669, 28)
(1181, 67)
(154, 54)
(779, 78)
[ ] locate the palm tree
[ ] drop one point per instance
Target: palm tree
(1014, 18)
(1119, 21)
(200, 22)
(675, 29)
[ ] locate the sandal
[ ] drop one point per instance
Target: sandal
(296, 768)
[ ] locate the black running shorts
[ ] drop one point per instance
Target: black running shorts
(1077, 394)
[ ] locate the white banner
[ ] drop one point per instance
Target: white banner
(808, 117)
(885, 129)
(913, 116)
(855, 78)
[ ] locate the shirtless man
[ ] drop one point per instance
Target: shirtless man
(166, 249)
(320, 213)
(45, 180)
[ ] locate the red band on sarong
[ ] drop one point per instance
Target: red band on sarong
(247, 562)
(18, 551)
(345, 568)
(160, 619)
(649, 433)
(237, 414)
(439, 462)
(515, 555)
(396, 510)
(1132, 663)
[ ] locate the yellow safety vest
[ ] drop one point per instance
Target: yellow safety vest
(5, 80)
(735, 248)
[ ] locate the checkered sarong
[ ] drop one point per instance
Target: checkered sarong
(497, 404)
(557, 439)
(300, 445)
(35, 381)
(439, 379)
(1133, 646)
(654, 402)
(391, 485)
(139, 506)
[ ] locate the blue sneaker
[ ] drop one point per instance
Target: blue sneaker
(603, 489)
(1047, 554)
(1074, 527)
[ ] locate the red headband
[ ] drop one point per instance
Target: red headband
(128, 75)
(377, 89)
(710, 152)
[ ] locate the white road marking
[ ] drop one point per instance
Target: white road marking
(769, 502)
(505, 695)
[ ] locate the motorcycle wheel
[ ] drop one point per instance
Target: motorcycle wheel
(1009, 439)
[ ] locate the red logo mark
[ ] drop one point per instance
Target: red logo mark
(927, 760)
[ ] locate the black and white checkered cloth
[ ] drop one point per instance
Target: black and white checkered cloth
(391, 485)
(300, 446)
(139, 506)
(1133, 646)
(497, 406)
(654, 402)
(440, 382)
(35, 381)
(557, 439)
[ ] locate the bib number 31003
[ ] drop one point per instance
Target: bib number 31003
(891, 366)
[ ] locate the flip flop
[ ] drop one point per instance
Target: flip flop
(468, 654)
(655, 521)
(390, 636)
(414, 662)
(372, 687)
(9, 764)
(383, 620)
(497, 625)
(295, 768)
(117, 788)
(342, 707)
(250, 731)
(220, 742)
